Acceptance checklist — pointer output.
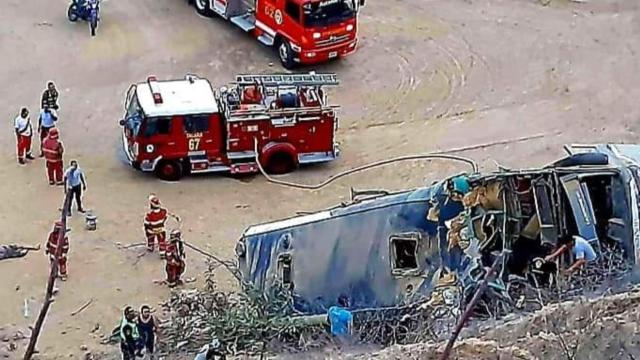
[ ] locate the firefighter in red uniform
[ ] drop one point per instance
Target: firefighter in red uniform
(154, 222)
(175, 259)
(53, 150)
(52, 247)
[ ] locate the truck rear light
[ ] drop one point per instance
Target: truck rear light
(157, 98)
(349, 27)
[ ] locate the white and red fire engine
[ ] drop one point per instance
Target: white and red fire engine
(183, 126)
(303, 31)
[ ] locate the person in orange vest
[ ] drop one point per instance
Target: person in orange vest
(154, 222)
(175, 259)
(53, 150)
(52, 248)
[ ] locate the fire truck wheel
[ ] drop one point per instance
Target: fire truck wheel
(280, 163)
(169, 170)
(203, 8)
(285, 53)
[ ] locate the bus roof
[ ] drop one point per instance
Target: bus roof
(178, 97)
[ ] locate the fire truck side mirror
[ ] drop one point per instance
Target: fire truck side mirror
(122, 122)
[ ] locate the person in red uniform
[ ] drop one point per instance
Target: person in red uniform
(154, 222)
(175, 259)
(52, 248)
(53, 150)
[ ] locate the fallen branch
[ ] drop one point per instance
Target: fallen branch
(86, 305)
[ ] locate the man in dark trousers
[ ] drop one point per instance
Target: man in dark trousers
(50, 97)
(75, 182)
(147, 329)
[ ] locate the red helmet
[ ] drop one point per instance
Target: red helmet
(57, 225)
(53, 133)
(154, 202)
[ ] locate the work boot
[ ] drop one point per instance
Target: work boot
(21, 161)
(51, 182)
(63, 277)
(60, 183)
(41, 155)
(30, 157)
(81, 211)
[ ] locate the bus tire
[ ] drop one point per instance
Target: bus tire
(203, 7)
(280, 163)
(169, 170)
(285, 53)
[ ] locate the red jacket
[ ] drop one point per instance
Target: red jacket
(154, 220)
(52, 244)
(52, 149)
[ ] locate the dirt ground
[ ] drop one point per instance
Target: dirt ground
(429, 75)
(570, 330)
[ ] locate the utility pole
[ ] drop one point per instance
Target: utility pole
(48, 298)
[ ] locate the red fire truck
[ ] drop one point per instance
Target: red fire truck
(183, 126)
(303, 31)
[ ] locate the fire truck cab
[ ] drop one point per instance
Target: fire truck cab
(184, 126)
(303, 31)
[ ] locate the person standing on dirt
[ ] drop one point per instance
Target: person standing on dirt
(130, 341)
(46, 122)
(53, 151)
(154, 222)
(75, 182)
(175, 264)
(147, 329)
(24, 132)
(582, 251)
(53, 243)
(50, 97)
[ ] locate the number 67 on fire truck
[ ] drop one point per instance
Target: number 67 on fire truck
(176, 127)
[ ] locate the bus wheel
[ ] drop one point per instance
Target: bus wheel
(203, 8)
(285, 53)
(280, 163)
(169, 170)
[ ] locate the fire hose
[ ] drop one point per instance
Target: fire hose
(436, 155)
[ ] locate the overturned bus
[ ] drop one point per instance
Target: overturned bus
(391, 249)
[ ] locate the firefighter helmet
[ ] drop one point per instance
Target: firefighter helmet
(53, 133)
(154, 201)
(175, 235)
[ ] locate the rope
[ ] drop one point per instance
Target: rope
(435, 155)
(227, 265)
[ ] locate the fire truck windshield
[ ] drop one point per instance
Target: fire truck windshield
(327, 12)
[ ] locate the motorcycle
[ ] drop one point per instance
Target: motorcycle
(88, 11)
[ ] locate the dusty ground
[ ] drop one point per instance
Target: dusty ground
(570, 330)
(429, 75)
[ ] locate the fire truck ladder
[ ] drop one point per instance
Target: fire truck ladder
(311, 79)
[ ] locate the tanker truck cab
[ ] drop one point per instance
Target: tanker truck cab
(302, 31)
(169, 125)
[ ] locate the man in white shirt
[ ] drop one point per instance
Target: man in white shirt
(24, 132)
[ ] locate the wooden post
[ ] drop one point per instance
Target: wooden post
(48, 298)
(471, 305)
